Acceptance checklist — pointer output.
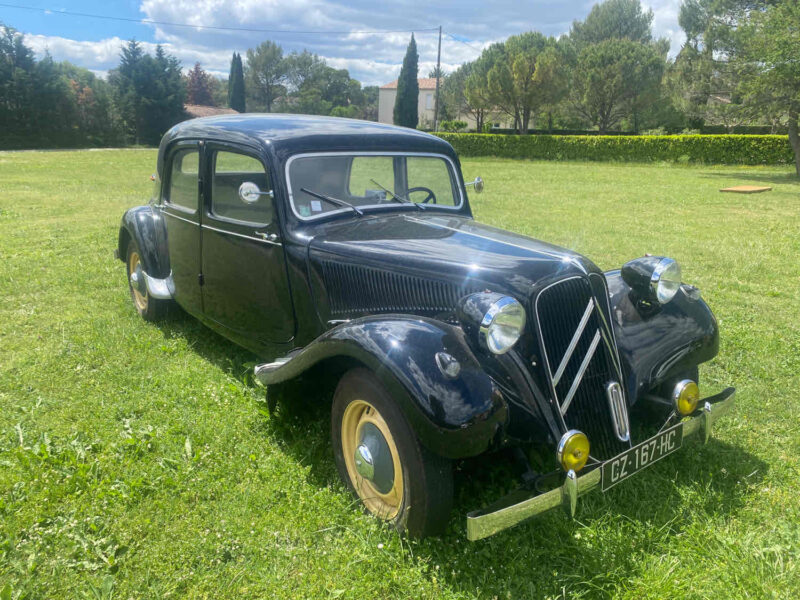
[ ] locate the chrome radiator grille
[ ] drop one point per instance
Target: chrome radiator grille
(579, 360)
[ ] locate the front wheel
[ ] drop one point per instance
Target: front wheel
(382, 462)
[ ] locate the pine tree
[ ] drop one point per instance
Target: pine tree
(236, 84)
(149, 92)
(198, 87)
(405, 105)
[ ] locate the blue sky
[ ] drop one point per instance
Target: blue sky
(374, 59)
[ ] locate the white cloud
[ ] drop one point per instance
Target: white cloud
(372, 58)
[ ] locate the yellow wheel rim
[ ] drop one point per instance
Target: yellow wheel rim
(357, 414)
(139, 299)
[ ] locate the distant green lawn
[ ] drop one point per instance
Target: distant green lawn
(139, 461)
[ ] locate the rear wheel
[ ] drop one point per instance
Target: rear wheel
(149, 308)
(382, 462)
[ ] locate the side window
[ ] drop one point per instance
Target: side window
(231, 170)
(183, 178)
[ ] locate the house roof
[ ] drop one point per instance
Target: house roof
(425, 83)
(197, 110)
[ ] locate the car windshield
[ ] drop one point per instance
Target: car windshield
(325, 183)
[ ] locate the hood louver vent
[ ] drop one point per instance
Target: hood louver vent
(358, 290)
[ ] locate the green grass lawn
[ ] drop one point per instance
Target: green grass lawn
(139, 461)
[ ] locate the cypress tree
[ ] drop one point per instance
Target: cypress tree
(236, 84)
(405, 105)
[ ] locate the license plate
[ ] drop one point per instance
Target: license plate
(637, 458)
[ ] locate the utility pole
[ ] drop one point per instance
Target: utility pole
(438, 73)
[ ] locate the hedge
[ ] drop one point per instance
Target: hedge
(709, 149)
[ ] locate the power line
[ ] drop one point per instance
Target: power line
(454, 38)
(211, 27)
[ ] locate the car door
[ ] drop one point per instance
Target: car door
(245, 284)
(182, 216)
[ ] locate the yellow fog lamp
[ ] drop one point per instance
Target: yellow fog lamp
(573, 450)
(685, 396)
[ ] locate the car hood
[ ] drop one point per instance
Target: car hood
(457, 249)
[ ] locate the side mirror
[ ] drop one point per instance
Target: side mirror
(249, 192)
(477, 184)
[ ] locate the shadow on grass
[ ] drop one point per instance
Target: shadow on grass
(549, 553)
(751, 176)
(604, 544)
(300, 423)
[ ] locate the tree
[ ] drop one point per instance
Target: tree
(266, 74)
(750, 49)
(199, 87)
(369, 108)
(613, 20)
(436, 72)
(165, 95)
(127, 82)
(518, 83)
(407, 101)
(766, 54)
(17, 64)
(613, 78)
(149, 92)
(476, 85)
(236, 91)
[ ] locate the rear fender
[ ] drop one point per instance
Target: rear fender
(454, 416)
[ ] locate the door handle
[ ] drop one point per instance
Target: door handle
(267, 237)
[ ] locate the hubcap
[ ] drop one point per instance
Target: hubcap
(364, 464)
(372, 459)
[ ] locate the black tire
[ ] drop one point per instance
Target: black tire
(423, 506)
(149, 308)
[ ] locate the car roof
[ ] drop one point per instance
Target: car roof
(287, 134)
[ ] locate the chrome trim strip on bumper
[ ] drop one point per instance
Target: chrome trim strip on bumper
(492, 519)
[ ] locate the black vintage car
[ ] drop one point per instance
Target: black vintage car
(347, 248)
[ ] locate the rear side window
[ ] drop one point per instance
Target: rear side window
(231, 170)
(183, 178)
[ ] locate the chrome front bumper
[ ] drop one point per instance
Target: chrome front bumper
(504, 513)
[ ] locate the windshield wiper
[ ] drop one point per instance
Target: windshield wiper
(394, 196)
(332, 200)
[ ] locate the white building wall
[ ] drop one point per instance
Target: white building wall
(425, 105)
(386, 98)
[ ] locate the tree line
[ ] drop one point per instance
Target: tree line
(739, 66)
(46, 103)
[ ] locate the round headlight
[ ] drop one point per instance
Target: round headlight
(573, 450)
(665, 280)
(686, 395)
(502, 325)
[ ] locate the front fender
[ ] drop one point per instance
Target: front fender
(146, 226)
(678, 336)
(454, 417)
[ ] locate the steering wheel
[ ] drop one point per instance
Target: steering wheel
(429, 191)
